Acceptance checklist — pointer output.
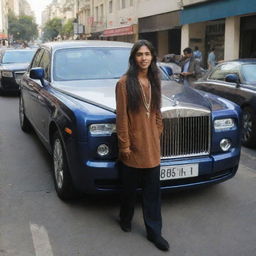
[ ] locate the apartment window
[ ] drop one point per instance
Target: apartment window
(97, 13)
(110, 6)
(101, 11)
(123, 4)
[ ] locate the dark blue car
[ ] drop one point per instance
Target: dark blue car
(68, 97)
(236, 81)
(13, 64)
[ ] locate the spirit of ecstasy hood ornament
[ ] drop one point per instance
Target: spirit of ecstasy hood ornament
(174, 101)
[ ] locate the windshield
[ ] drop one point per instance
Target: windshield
(249, 73)
(18, 56)
(90, 63)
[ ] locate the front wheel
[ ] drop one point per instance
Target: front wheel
(24, 122)
(62, 178)
(249, 127)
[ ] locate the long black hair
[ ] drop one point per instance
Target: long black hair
(132, 83)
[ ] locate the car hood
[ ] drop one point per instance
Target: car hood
(15, 66)
(174, 95)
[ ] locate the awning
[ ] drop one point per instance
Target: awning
(118, 31)
(164, 21)
(3, 36)
(217, 9)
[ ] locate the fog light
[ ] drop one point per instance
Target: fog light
(225, 144)
(103, 150)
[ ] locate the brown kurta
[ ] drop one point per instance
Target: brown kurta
(136, 132)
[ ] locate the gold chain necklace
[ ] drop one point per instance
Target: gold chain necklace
(144, 99)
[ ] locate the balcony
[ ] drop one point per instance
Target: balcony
(99, 25)
(84, 4)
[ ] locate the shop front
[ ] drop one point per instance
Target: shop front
(3, 39)
(228, 25)
(123, 34)
(163, 31)
(248, 37)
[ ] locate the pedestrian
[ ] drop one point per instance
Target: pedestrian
(198, 55)
(212, 60)
(190, 68)
(139, 126)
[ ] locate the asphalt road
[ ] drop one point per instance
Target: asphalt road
(215, 221)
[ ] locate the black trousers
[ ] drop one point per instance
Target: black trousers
(149, 180)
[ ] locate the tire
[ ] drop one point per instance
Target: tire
(62, 178)
(249, 127)
(24, 122)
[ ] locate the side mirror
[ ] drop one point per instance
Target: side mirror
(232, 78)
(168, 70)
(37, 73)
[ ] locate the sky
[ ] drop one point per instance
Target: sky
(38, 7)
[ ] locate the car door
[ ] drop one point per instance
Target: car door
(216, 84)
(28, 86)
(42, 105)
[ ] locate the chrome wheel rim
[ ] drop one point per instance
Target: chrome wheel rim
(21, 112)
(58, 163)
(247, 126)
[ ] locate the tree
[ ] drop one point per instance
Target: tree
(67, 30)
(52, 29)
(22, 28)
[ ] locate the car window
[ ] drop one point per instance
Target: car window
(22, 56)
(45, 63)
(90, 63)
(248, 72)
(221, 71)
(37, 58)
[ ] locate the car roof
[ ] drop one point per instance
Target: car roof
(17, 50)
(248, 60)
(85, 43)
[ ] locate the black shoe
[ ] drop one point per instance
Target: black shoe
(159, 242)
(126, 227)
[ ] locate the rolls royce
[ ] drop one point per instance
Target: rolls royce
(68, 98)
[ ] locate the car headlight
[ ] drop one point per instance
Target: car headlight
(7, 73)
(102, 129)
(224, 124)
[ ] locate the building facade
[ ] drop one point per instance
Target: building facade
(229, 26)
(3, 21)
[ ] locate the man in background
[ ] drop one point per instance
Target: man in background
(198, 55)
(212, 61)
(190, 67)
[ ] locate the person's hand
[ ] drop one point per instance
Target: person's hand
(186, 73)
(125, 153)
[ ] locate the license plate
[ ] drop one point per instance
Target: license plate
(178, 171)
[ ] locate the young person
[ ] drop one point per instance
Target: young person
(139, 126)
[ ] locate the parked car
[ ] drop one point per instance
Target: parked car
(13, 64)
(68, 97)
(236, 81)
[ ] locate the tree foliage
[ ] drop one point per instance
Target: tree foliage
(52, 29)
(22, 28)
(67, 30)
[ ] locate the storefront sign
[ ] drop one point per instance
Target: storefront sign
(3, 36)
(118, 31)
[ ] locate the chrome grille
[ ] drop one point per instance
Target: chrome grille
(185, 136)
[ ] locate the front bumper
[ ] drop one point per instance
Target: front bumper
(9, 84)
(103, 176)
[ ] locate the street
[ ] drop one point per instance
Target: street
(214, 221)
